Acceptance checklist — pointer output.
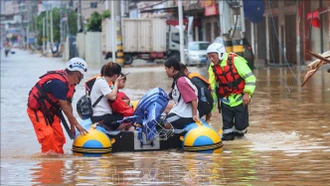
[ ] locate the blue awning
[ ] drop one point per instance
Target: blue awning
(254, 10)
(12, 31)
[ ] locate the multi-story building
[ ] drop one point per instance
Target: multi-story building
(281, 37)
(16, 17)
(90, 6)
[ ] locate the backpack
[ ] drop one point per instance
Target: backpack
(85, 107)
(205, 99)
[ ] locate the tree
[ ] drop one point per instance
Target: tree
(72, 23)
(95, 21)
(105, 14)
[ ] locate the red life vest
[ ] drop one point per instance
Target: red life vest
(230, 82)
(39, 99)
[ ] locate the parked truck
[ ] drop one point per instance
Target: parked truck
(147, 38)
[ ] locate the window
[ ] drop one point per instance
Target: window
(176, 38)
(93, 4)
(198, 46)
(291, 2)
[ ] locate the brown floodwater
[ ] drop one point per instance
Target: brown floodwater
(288, 141)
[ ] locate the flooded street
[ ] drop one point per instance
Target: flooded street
(288, 141)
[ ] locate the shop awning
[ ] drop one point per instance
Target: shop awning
(167, 9)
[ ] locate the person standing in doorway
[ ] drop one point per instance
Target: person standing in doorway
(233, 85)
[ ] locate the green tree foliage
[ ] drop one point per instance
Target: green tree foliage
(105, 14)
(95, 21)
(72, 23)
(73, 16)
(56, 24)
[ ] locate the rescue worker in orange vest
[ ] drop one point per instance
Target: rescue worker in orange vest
(51, 95)
(233, 85)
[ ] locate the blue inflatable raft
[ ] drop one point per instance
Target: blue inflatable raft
(150, 136)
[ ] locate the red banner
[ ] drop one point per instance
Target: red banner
(211, 10)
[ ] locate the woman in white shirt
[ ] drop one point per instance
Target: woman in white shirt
(102, 94)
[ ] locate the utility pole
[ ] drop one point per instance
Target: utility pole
(28, 26)
(51, 26)
(182, 58)
(47, 28)
(120, 53)
(61, 23)
(43, 35)
(113, 26)
(36, 34)
(79, 20)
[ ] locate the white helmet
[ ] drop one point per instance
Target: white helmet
(218, 48)
(77, 64)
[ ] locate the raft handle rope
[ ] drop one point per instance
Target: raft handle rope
(162, 133)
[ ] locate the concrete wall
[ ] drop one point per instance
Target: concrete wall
(66, 52)
(80, 42)
(93, 52)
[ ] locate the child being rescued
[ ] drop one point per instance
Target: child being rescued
(122, 105)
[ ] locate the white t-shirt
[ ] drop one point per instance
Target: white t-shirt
(181, 108)
(101, 87)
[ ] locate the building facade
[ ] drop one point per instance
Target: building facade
(281, 38)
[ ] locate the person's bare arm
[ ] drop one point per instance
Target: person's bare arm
(67, 109)
(194, 110)
(113, 95)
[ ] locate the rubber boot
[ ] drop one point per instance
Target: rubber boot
(228, 137)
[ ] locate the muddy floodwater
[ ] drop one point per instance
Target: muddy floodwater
(288, 141)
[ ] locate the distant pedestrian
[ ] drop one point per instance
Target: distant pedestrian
(51, 95)
(7, 47)
(233, 83)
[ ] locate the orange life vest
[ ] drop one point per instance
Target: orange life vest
(90, 83)
(39, 99)
(195, 74)
(230, 82)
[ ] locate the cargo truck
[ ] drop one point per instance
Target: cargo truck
(143, 38)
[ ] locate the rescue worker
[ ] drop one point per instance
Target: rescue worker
(233, 85)
(51, 95)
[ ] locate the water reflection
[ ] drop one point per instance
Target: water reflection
(48, 172)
